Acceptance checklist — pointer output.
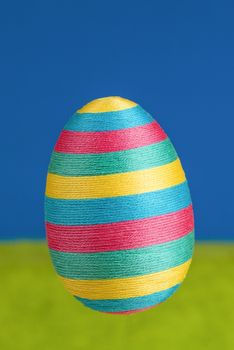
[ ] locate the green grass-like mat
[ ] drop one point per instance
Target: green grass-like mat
(37, 313)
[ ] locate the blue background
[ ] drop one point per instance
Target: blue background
(175, 58)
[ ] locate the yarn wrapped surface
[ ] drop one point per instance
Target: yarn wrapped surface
(119, 217)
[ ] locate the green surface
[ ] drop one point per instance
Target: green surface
(37, 313)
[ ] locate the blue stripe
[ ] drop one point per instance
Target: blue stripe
(116, 209)
(107, 121)
(128, 304)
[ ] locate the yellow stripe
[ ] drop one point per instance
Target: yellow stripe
(107, 104)
(131, 287)
(103, 186)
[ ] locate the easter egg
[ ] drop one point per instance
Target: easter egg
(118, 211)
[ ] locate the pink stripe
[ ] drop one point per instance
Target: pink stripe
(120, 235)
(130, 311)
(109, 141)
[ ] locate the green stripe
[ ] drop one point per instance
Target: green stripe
(123, 263)
(113, 162)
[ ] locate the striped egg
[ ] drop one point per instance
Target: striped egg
(119, 217)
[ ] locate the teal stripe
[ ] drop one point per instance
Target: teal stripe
(116, 209)
(140, 158)
(118, 305)
(107, 121)
(123, 263)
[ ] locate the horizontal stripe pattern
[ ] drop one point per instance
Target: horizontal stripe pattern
(108, 121)
(124, 263)
(140, 158)
(116, 209)
(119, 288)
(114, 185)
(129, 304)
(120, 235)
(109, 141)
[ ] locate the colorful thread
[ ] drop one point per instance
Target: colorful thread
(140, 158)
(115, 185)
(122, 235)
(129, 304)
(109, 141)
(119, 218)
(116, 209)
(118, 288)
(108, 121)
(121, 264)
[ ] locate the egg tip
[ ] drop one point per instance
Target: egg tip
(107, 104)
